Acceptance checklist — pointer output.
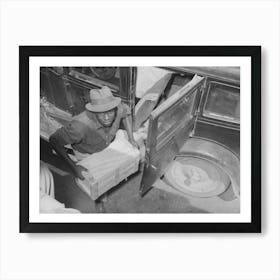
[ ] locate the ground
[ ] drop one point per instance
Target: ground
(124, 198)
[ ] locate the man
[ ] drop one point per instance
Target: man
(94, 129)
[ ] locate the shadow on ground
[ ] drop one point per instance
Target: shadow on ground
(124, 198)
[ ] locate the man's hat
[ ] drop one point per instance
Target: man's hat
(102, 100)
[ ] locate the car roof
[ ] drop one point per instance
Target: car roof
(227, 74)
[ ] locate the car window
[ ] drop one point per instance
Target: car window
(173, 119)
(100, 76)
(223, 102)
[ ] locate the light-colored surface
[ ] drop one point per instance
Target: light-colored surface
(46, 180)
(168, 256)
(222, 157)
(146, 78)
(48, 203)
(197, 177)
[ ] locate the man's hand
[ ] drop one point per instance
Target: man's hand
(78, 171)
(135, 144)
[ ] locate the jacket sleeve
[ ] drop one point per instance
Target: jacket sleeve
(72, 133)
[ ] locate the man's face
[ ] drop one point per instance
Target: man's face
(106, 118)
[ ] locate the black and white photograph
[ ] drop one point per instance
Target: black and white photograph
(140, 139)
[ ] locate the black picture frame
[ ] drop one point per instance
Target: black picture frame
(25, 52)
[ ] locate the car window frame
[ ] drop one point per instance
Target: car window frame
(218, 117)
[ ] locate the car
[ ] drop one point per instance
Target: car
(189, 116)
(196, 133)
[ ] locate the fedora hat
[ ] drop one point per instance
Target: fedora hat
(102, 100)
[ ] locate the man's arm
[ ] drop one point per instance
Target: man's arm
(127, 122)
(57, 145)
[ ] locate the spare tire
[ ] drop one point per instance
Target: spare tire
(197, 177)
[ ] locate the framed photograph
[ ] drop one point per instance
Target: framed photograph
(140, 138)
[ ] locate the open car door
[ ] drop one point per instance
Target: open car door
(170, 125)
